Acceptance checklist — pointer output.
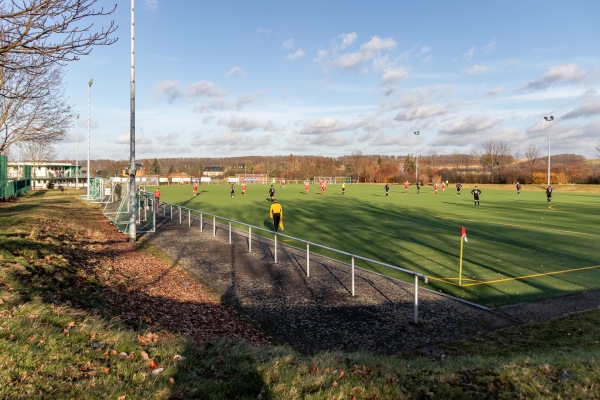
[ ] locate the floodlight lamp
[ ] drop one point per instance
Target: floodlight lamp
(90, 83)
(550, 118)
(417, 133)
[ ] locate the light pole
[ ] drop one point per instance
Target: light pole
(88, 140)
(77, 153)
(417, 133)
(549, 119)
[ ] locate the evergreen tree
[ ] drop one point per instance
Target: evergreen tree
(155, 168)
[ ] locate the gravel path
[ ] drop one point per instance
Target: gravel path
(318, 313)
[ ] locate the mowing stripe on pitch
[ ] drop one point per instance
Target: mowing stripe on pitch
(478, 282)
(532, 276)
(543, 228)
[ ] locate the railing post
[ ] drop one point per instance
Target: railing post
(229, 232)
(249, 239)
(180, 215)
(416, 316)
(189, 217)
(164, 211)
(201, 228)
(171, 211)
(214, 226)
(154, 219)
(307, 259)
(275, 238)
(352, 276)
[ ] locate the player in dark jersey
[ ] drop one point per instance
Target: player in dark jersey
(476, 192)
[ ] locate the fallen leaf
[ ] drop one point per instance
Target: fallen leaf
(144, 355)
(157, 371)
(153, 363)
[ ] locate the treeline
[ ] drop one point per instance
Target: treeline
(467, 168)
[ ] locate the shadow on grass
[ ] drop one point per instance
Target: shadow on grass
(61, 259)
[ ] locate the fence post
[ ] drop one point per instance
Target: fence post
(180, 215)
(307, 259)
(352, 276)
(416, 316)
(171, 211)
(189, 217)
(275, 248)
(229, 232)
(214, 226)
(153, 219)
(201, 228)
(249, 239)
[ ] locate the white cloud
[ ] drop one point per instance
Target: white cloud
(174, 91)
(170, 139)
(477, 69)
(125, 138)
(368, 51)
(420, 112)
(490, 47)
(170, 88)
(151, 5)
(377, 44)
(348, 39)
(564, 72)
(248, 98)
(395, 75)
(288, 44)
(204, 89)
(235, 71)
(588, 109)
(468, 55)
(295, 55)
(246, 125)
(469, 125)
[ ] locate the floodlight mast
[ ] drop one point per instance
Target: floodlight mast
(77, 153)
(132, 171)
(549, 119)
(417, 133)
(88, 140)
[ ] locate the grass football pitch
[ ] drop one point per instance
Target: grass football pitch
(519, 249)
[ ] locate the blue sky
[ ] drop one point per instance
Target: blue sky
(233, 78)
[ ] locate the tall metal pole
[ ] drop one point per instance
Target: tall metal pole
(77, 153)
(88, 140)
(132, 172)
(417, 133)
(549, 119)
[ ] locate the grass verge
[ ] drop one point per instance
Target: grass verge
(59, 340)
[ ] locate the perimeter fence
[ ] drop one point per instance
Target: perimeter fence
(191, 217)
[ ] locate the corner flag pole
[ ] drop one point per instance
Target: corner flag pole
(463, 235)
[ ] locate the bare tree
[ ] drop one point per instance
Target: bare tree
(41, 33)
(598, 149)
(37, 152)
(532, 154)
(33, 108)
(496, 155)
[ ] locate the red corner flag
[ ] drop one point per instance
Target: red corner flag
(463, 233)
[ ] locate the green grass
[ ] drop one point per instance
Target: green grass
(518, 249)
(70, 347)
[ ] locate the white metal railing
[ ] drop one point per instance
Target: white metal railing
(228, 222)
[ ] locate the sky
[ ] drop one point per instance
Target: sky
(233, 78)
